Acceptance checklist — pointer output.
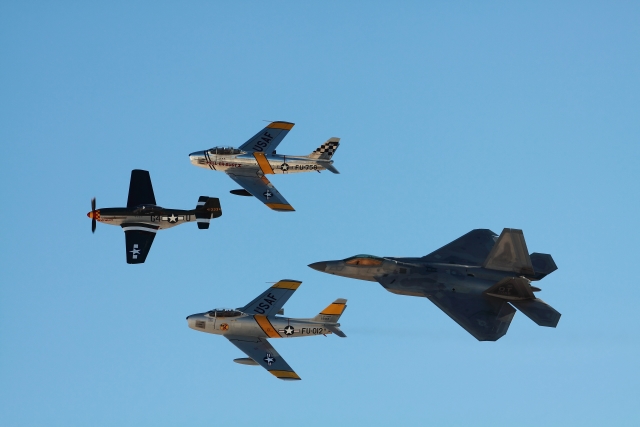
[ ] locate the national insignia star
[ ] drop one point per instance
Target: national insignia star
(268, 194)
(269, 359)
(173, 218)
(288, 330)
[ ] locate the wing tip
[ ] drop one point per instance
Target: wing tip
(281, 207)
(288, 284)
(285, 375)
(281, 125)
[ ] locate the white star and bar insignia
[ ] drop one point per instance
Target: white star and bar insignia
(268, 194)
(269, 359)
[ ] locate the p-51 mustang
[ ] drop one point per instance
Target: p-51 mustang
(476, 280)
(249, 164)
(249, 327)
(142, 218)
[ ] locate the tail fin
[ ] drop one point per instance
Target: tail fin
(332, 313)
(519, 293)
(326, 150)
(510, 253)
(207, 208)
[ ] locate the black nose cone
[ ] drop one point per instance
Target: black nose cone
(320, 266)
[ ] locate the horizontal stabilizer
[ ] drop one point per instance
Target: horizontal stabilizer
(511, 289)
(538, 311)
(510, 253)
(336, 330)
(330, 167)
(543, 264)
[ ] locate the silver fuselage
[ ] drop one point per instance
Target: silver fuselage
(267, 164)
(257, 326)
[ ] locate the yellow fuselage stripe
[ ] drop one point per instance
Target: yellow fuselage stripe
(266, 326)
(263, 163)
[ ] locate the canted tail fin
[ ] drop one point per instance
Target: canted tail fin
(510, 254)
(326, 150)
(332, 313)
(207, 208)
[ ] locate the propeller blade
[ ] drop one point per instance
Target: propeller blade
(93, 215)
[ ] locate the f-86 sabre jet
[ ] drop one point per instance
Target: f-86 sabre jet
(249, 164)
(249, 327)
(142, 218)
(476, 280)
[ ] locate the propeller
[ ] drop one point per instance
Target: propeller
(93, 215)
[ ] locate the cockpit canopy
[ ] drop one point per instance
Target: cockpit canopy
(225, 150)
(146, 209)
(364, 260)
(224, 312)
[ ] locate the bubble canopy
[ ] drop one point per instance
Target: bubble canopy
(364, 260)
(224, 150)
(224, 312)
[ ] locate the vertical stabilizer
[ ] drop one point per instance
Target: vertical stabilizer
(326, 150)
(332, 313)
(510, 253)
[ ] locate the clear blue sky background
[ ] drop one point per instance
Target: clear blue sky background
(453, 116)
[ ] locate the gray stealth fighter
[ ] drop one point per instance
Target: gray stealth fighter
(476, 280)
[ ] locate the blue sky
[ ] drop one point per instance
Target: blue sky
(453, 116)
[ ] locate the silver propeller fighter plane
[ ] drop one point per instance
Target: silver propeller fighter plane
(249, 327)
(142, 218)
(249, 164)
(477, 280)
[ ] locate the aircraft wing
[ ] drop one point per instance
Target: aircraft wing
(268, 138)
(262, 189)
(273, 299)
(260, 350)
(486, 318)
(139, 238)
(140, 189)
(471, 249)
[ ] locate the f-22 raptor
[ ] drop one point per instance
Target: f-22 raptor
(249, 327)
(476, 280)
(249, 164)
(142, 218)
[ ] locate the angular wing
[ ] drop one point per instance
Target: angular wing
(140, 189)
(268, 138)
(139, 238)
(470, 249)
(265, 355)
(272, 300)
(486, 318)
(263, 190)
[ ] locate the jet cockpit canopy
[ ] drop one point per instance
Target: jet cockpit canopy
(225, 150)
(364, 260)
(224, 312)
